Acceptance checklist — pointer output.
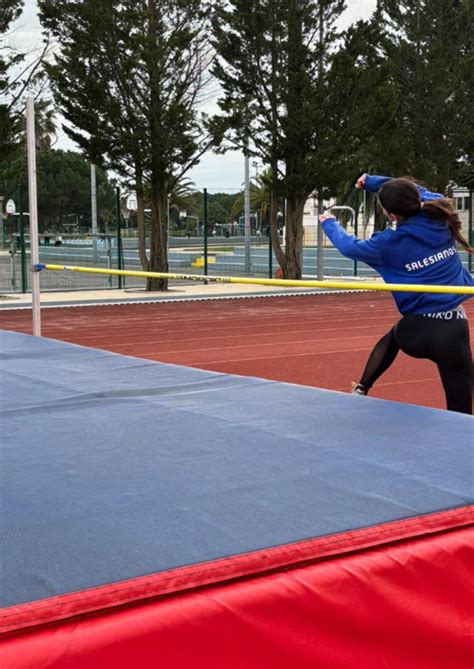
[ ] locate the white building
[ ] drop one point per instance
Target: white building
(310, 222)
(463, 202)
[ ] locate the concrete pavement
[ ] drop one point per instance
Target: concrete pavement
(177, 291)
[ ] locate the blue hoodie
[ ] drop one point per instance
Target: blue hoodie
(421, 251)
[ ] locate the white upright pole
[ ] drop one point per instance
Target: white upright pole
(33, 207)
(247, 214)
(319, 229)
(94, 211)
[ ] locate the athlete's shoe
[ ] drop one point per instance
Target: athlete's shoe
(359, 389)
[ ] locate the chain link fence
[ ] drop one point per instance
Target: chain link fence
(199, 242)
(224, 256)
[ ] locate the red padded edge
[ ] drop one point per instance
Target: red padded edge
(137, 590)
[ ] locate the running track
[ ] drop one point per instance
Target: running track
(315, 340)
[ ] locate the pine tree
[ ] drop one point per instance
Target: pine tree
(20, 74)
(11, 10)
(63, 188)
(427, 47)
(273, 63)
(9, 123)
(128, 78)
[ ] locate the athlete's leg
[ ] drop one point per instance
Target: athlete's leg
(457, 384)
(446, 343)
(382, 356)
(455, 368)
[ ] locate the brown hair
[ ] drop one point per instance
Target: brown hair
(401, 197)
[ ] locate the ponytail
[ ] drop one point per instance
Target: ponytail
(442, 210)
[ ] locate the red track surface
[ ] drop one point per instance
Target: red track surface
(321, 340)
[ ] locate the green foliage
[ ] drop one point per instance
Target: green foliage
(272, 66)
(260, 193)
(20, 74)
(220, 208)
(121, 78)
(13, 140)
(8, 133)
(414, 90)
(128, 77)
(11, 10)
(64, 189)
(430, 41)
(273, 62)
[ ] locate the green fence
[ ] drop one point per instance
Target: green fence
(196, 245)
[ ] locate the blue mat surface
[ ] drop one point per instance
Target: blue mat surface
(114, 467)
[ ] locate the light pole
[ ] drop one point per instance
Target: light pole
(247, 213)
(94, 210)
(33, 201)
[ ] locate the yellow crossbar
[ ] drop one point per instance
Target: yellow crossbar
(340, 285)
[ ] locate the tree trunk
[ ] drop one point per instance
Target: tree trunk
(292, 268)
(141, 222)
(158, 261)
(380, 222)
(276, 244)
(159, 240)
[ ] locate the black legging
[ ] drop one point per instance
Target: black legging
(445, 342)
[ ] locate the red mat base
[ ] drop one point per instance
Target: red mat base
(401, 606)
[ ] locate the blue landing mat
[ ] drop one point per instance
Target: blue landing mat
(114, 467)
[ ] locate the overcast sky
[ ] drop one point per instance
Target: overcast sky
(224, 173)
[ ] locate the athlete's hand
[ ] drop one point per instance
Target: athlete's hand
(361, 181)
(325, 217)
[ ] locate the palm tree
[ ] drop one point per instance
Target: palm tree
(183, 196)
(259, 195)
(45, 125)
(363, 203)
